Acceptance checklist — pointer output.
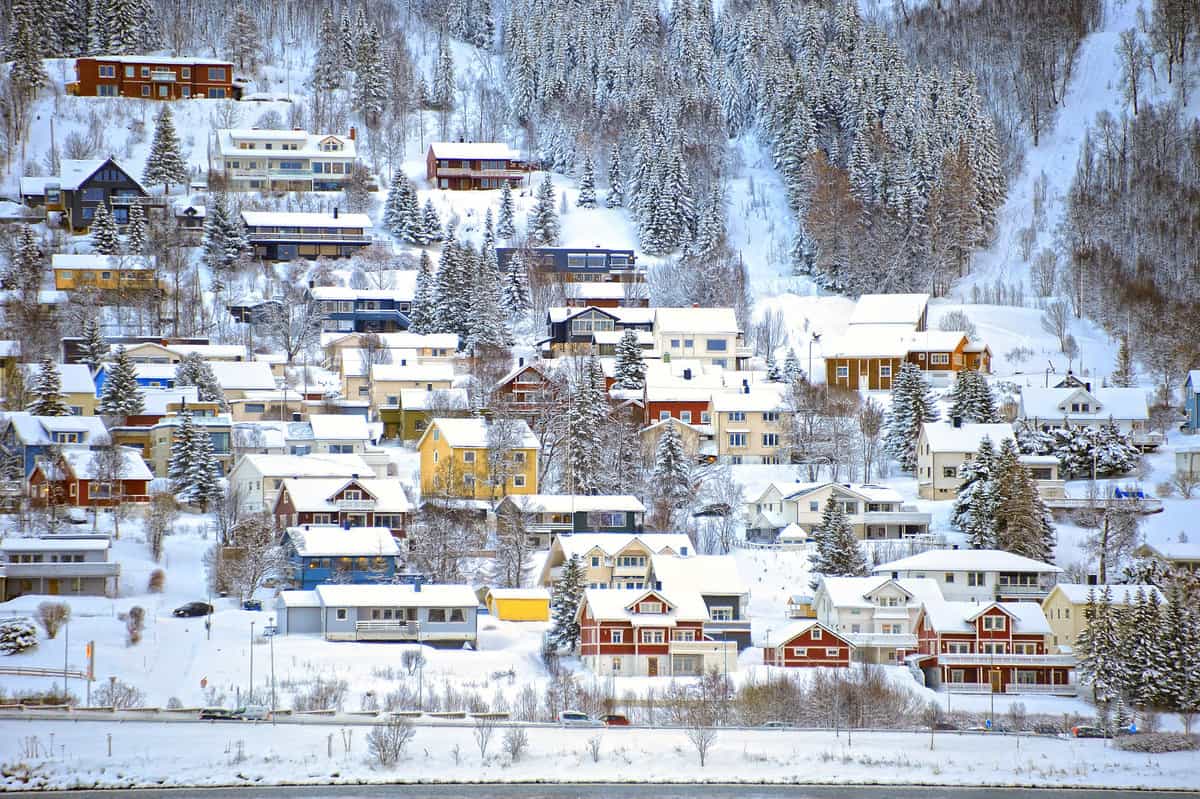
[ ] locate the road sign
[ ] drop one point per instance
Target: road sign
(988, 724)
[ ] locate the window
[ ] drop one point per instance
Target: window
(939, 358)
(885, 371)
(816, 634)
(688, 343)
(110, 71)
(685, 416)
(1025, 649)
(716, 345)
(664, 415)
(437, 614)
(993, 648)
(469, 482)
(616, 664)
(106, 90)
(770, 439)
(949, 577)
(737, 416)
(949, 471)
(612, 519)
(651, 607)
(737, 439)
(843, 371)
(705, 418)
(721, 613)
(683, 635)
(958, 648)
(145, 72)
(674, 343)
(831, 653)
(770, 416)
(216, 94)
(616, 636)
(975, 579)
(341, 614)
(652, 636)
(519, 481)
(185, 73)
(799, 651)
(216, 73)
(185, 91)
(994, 623)
(468, 457)
(814, 506)
(456, 615)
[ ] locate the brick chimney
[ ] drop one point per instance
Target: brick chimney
(353, 133)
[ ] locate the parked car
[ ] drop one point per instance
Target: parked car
(615, 720)
(776, 725)
(254, 713)
(1087, 731)
(218, 714)
(252, 604)
(192, 609)
(575, 718)
(76, 516)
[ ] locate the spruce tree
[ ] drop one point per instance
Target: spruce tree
(421, 314)
(1021, 521)
(974, 512)
(431, 226)
(912, 406)
(773, 373)
(441, 87)
(838, 553)
(671, 479)
(487, 324)
(106, 239)
(542, 226)
(205, 472)
(1141, 648)
(1124, 375)
(1096, 647)
(328, 69)
(630, 367)
(971, 399)
(616, 195)
(515, 292)
(792, 372)
(586, 414)
(121, 395)
(395, 219)
(135, 232)
(183, 453)
(505, 224)
(194, 370)
(370, 79)
(93, 349)
(28, 73)
(47, 391)
(1181, 644)
(243, 40)
(165, 164)
(568, 595)
(587, 185)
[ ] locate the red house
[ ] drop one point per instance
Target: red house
(153, 77)
(74, 480)
(688, 404)
(807, 643)
(526, 389)
(358, 502)
(638, 633)
(473, 165)
(998, 647)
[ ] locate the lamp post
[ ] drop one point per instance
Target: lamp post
(250, 692)
(272, 644)
(815, 337)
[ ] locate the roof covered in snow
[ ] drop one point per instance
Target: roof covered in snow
(786, 633)
(611, 543)
(889, 309)
(54, 544)
(959, 617)
(473, 150)
(866, 491)
(397, 596)
(339, 427)
(616, 605)
(695, 320)
(1077, 593)
(418, 399)
(76, 378)
(1103, 403)
(315, 493)
(36, 430)
(577, 503)
(396, 341)
(945, 437)
(762, 398)
(82, 463)
(705, 574)
(518, 593)
(302, 219)
(328, 542)
(960, 560)
(435, 372)
(472, 432)
(243, 375)
(310, 145)
(313, 465)
(101, 262)
(853, 592)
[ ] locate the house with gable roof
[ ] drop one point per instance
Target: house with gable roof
(649, 633)
(257, 159)
(715, 578)
(546, 516)
(26, 437)
(455, 459)
(1065, 604)
(977, 575)
(82, 185)
(612, 560)
(807, 643)
(473, 165)
(942, 449)
(1088, 406)
(323, 554)
(345, 503)
(74, 479)
(874, 512)
(876, 614)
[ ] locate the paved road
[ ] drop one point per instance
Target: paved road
(490, 791)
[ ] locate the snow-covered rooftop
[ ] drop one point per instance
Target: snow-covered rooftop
(302, 219)
(852, 592)
(396, 596)
(309, 145)
(396, 341)
(889, 309)
(96, 262)
(55, 544)
(611, 543)
(959, 560)
(576, 503)
(82, 463)
(518, 593)
(243, 375)
(435, 372)
(315, 493)
(958, 617)
(762, 398)
(162, 59)
(474, 150)
(418, 399)
(615, 604)
(1052, 404)
(472, 433)
(75, 378)
(32, 429)
(945, 437)
(313, 465)
(868, 491)
(695, 320)
(339, 427)
(704, 574)
(327, 542)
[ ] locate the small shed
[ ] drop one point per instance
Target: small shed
(298, 613)
(518, 604)
(800, 606)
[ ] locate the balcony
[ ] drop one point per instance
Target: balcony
(1007, 659)
(629, 571)
(897, 517)
(387, 631)
(894, 614)
(1051, 489)
(1146, 440)
(59, 571)
(317, 237)
(968, 687)
(731, 625)
(1070, 689)
(897, 640)
(1022, 590)
(460, 172)
(355, 504)
(162, 76)
(711, 648)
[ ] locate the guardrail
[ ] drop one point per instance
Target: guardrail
(38, 671)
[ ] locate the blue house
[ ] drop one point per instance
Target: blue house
(323, 554)
(348, 310)
(26, 437)
(578, 263)
(148, 375)
(1191, 398)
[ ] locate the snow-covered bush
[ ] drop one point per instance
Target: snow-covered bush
(117, 694)
(52, 616)
(386, 742)
(17, 635)
(1158, 742)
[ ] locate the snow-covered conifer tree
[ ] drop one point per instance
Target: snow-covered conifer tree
(542, 226)
(792, 371)
(47, 391)
(587, 185)
(194, 370)
(422, 312)
(515, 290)
(616, 194)
(106, 238)
(912, 406)
(135, 232)
(504, 224)
(568, 594)
(165, 164)
(93, 348)
(974, 511)
(121, 396)
(630, 367)
(838, 553)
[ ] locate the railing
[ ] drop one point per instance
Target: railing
(899, 640)
(330, 237)
(456, 172)
(356, 504)
(162, 76)
(725, 626)
(899, 612)
(897, 517)
(386, 630)
(703, 648)
(1071, 689)
(126, 199)
(1006, 659)
(1146, 439)
(968, 687)
(1051, 489)
(1144, 505)
(1023, 590)
(54, 571)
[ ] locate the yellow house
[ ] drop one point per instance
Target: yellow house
(1064, 608)
(455, 458)
(78, 390)
(105, 272)
(408, 419)
(612, 560)
(518, 604)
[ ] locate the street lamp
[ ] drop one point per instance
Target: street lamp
(815, 337)
(250, 692)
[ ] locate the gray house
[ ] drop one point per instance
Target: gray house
(61, 565)
(434, 614)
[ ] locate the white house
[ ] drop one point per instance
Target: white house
(1048, 408)
(257, 479)
(943, 447)
(877, 614)
(977, 575)
(875, 512)
(282, 160)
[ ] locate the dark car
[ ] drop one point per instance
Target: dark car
(219, 714)
(192, 609)
(1085, 731)
(615, 720)
(252, 604)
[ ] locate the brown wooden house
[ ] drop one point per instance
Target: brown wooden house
(868, 357)
(473, 165)
(74, 480)
(153, 77)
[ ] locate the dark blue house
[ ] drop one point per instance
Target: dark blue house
(148, 375)
(1191, 398)
(577, 263)
(322, 554)
(346, 310)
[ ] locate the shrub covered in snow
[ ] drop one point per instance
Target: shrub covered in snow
(1158, 742)
(17, 635)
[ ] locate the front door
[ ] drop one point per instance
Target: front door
(652, 667)
(864, 381)
(52, 587)
(996, 686)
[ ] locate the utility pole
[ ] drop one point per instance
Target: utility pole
(66, 653)
(250, 692)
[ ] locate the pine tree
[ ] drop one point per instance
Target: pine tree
(773, 373)
(1181, 644)
(543, 219)
(912, 406)
(671, 479)
(136, 231)
(972, 400)
(568, 595)
(1021, 521)
(243, 38)
(431, 226)
(328, 69)
(616, 195)
(421, 314)
(838, 553)
(1141, 648)
(193, 370)
(1124, 375)
(489, 234)
(93, 349)
(166, 164)
(205, 472)
(630, 368)
(121, 396)
(28, 73)
(515, 292)
(587, 185)
(1098, 647)
(183, 453)
(47, 391)
(370, 80)
(487, 322)
(586, 414)
(504, 224)
(791, 368)
(974, 512)
(26, 266)
(106, 238)
(442, 85)
(452, 287)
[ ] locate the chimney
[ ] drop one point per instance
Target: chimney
(521, 361)
(312, 284)
(355, 476)
(335, 212)
(956, 421)
(687, 374)
(1087, 386)
(353, 133)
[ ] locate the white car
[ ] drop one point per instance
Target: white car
(255, 713)
(575, 718)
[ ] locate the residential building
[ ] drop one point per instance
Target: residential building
(878, 615)
(166, 351)
(687, 403)
(1046, 473)
(977, 575)
(104, 272)
(1191, 400)
(807, 643)
(27, 438)
(942, 449)
(571, 331)
(708, 335)
(154, 78)
(366, 502)
(323, 554)
(61, 565)
(715, 578)
(82, 185)
(748, 425)
(78, 390)
(74, 480)
(990, 647)
(457, 457)
(408, 417)
(346, 310)
(607, 295)
(387, 380)
(526, 389)
(869, 357)
(235, 377)
(612, 560)
(420, 347)
(219, 427)
(189, 220)
(338, 434)
(518, 604)
(874, 512)
(698, 444)
(416, 613)
(473, 165)
(1065, 604)
(1187, 461)
(72, 346)
(1182, 555)
(1085, 406)
(545, 516)
(577, 264)
(288, 235)
(258, 479)
(282, 160)
(905, 311)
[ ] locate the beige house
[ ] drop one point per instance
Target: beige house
(877, 614)
(875, 512)
(423, 346)
(748, 426)
(386, 381)
(612, 560)
(943, 447)
(1064, 608)
(282, 160)
(709, 335)
(75, 380)
(696, 441)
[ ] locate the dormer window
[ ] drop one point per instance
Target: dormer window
(651, 607)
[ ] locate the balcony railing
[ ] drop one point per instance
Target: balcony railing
(1007, 659)
(728, 648)
(968, 687)
(162, 76)
(53, 571)
(898, 640)
(356, 504)
(629, 571)
(133, 199)
(1071, 689)
(459, 172)
(1022, 590)
(386, 630)
(320, 237)
(897, 517)
(727, 625)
